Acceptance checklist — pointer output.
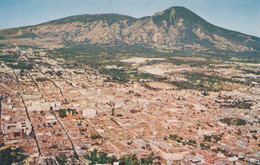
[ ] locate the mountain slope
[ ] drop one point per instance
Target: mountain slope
(176, 28)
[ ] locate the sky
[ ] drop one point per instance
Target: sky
(238, 15)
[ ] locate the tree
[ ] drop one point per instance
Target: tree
(12, 155)
(148, 160)
(96, 157)
(62, 159)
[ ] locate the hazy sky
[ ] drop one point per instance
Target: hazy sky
(238, 15)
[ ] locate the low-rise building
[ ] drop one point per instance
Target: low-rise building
(89, 113)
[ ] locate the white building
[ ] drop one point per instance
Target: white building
(89, 113)
(50, 119)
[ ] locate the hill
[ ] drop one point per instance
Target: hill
(175, 28)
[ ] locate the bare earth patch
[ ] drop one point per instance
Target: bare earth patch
(190, 58)
(139, 60)
(161, 85)
(165, 68)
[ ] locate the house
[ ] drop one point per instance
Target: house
(50, 119)
(89, 113)
(17, 130)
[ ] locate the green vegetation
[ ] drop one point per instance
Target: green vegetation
(93, 137)
(96, 157)
(176, 138)
(219, 150)
(2, 37)
(207, 138)
(41, 79)
(124, 76)
(42, 113)
(115, 74)
(87, 18)
(63, 112)
(204, 146)
(53, 146)
(183, 141)
(21, 65)
(148, 160)
(132, 160)
(190, 142)
(12, 155)
(98, 56)
(191, 62)
(245, 104)
(233, 121)
(213, 138)
(2, 45)
(202, 82)
(240, 122)
(11, 31)
(13, 61)
(62, 159)
(252, 71)
(9, 58)
(26, 35)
